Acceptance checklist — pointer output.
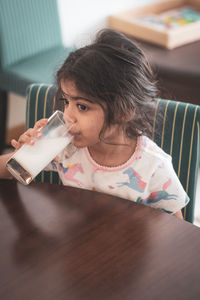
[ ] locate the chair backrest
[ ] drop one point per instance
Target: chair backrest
(27, 27)
(41, 103)
(179, 135)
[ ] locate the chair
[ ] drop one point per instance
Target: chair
(31, 48)
(179, 135)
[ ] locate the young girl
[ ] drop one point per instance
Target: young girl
(108, 93)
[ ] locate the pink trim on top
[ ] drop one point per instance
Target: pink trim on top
(118, 168)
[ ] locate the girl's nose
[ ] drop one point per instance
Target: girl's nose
(69, 119)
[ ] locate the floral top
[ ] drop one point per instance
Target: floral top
(147, 177)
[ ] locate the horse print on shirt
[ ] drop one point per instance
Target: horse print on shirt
(70, 171)
(159, 195)
(135, 181)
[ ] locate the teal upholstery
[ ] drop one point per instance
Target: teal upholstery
(19, 19)
(178, 135)
(31, 48)
(39, 68)
(41, 103)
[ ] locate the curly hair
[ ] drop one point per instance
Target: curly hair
(113, 70)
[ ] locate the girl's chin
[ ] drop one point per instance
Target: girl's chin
(79, 144)
(82, 142)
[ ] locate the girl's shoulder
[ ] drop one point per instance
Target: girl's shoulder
(150, 148)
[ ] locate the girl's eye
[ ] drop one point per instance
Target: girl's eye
(64, 100)
(82, 107)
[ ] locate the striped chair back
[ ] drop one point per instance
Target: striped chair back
(41, 103)
(178, 135)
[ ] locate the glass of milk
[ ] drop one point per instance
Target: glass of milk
(29, 160)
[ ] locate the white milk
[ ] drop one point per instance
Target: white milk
(35, 158)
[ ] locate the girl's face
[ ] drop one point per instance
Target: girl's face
(87, 117)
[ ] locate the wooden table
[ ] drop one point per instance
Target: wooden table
(177, 71)
(67, 243)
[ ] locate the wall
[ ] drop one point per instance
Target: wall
(79, 20)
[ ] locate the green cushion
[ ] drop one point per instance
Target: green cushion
(27, 27)
(39, 68)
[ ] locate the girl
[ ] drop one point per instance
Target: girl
(108, 93)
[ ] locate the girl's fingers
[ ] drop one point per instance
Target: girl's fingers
(40, 123)
(27, 137)
(33, 132)
(14, 143)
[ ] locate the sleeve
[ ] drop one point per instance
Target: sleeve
(165, 190)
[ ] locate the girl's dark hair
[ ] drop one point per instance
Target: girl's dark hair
(114, 70)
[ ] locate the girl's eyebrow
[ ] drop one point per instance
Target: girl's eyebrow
(77, 97)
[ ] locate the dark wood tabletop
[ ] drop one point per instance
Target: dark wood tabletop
(60, 242)
(177, 70)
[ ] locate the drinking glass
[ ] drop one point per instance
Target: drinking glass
(30, 160)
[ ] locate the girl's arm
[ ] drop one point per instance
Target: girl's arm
(3, 170)
(179, 214)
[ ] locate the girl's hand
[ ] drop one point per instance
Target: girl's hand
(27, 136)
